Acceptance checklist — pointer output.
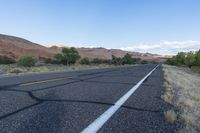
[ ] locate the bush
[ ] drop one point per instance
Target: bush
(127, 59)
(68, 56)
(6, 60)
(97, 61)
(144, 62)
(188, 59)
(48, 61)
(106, 62)
(27, 61)
(85, 61)
(116, 60)
(197, 59)
(180, 58)
(171, 61)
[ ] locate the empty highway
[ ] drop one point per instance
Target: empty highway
(109, 100)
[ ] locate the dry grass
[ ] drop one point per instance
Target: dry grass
(186, 119)
(183, 91)
(170, 116)
(195, 69)
(168, 95)
(15, 69)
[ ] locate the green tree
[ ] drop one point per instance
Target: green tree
(197, 58)
(144, 62)
(27, 61)
(190, 59)
(127, 59)
(85, 61)
(97, 61)
(59, 57)
(180, 58)
(116, 60)
(68, 56)
(136, 60)
(172, 61)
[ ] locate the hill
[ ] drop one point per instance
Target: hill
(15, 47)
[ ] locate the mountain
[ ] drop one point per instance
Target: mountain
(15, 47)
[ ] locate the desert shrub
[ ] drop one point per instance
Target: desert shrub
(100, 61)
(59, 57)
(116, 60)
(106, 62)
(197, 58)
(127, 59)
(144, 62)
(136, 60)
(185, 58)
(97, 61)
(171, 61)
(170, 116)
(68, 56)
(48, 61)
(180, 58)
(27, 61)
(190, 59)
(6, 60)
(85, 61)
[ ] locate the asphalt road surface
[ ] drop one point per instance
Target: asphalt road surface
(65, 102)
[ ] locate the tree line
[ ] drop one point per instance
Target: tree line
(70, 56)
(185, 58)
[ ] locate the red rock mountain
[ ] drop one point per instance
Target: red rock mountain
(15, 47)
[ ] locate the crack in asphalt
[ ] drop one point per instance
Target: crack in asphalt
(80, 75)
(84, 101)
(104, 82)
(34, 97)
(76, 80)
(19, 110)
(59, 85)
(39, 100)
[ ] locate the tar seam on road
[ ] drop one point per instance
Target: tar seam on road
(49, 80)
(101, 120)
(42, 81)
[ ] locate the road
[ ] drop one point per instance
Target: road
(65, 102)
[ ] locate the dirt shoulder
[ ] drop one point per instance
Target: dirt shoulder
(182, 89)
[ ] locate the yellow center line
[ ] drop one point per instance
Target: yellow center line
(43, 81)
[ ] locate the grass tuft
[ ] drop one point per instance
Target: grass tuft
(186, 119)
(170, 116)
(186, 103)
(182, 90)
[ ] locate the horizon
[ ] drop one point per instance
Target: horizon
(158, 27)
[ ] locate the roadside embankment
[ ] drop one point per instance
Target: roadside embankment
(182, 89)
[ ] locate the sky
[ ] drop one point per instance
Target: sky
(156, 26)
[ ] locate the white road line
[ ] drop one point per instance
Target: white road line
(101, 120)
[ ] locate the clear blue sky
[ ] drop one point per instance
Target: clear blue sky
(128, 24)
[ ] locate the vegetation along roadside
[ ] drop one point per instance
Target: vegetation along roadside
(182, 90)
(68, 60)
